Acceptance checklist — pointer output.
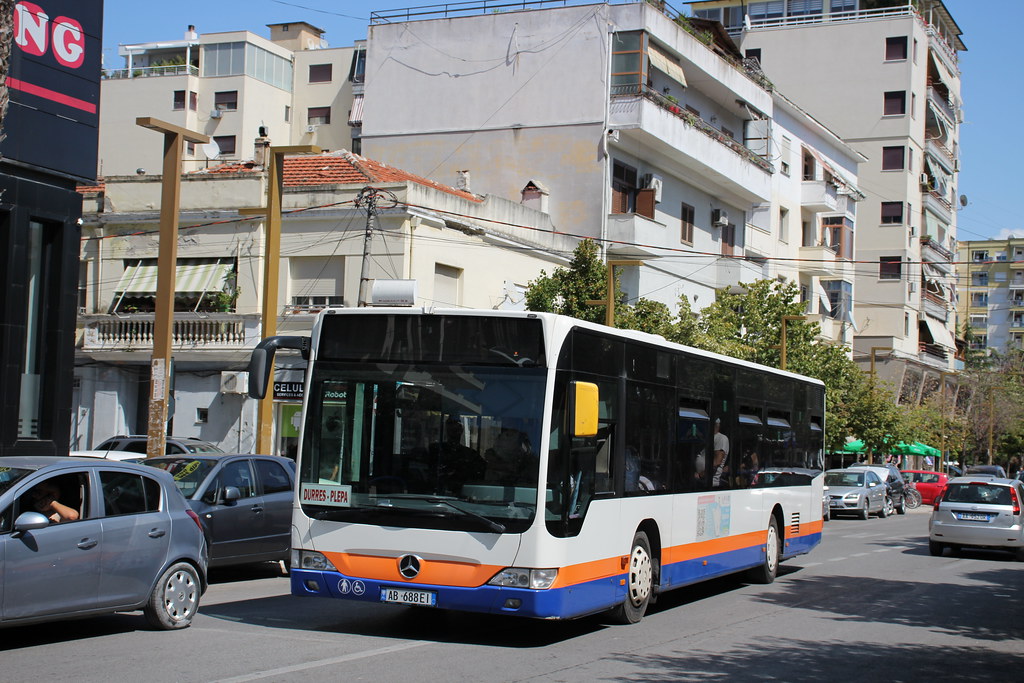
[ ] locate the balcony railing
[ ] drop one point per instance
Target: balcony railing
(214, 331)
(151, 71)
(933, 350)
(928, 242)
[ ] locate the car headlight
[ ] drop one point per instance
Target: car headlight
(310, 559)
(515, 577)
(852, 497)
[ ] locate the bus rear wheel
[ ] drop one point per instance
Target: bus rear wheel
(769, 567)
(639, 582)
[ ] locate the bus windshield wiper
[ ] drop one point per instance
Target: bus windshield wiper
(496, 527)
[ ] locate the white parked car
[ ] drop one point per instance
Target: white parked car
(978, 511)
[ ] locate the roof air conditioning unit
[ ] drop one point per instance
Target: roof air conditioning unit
(311, 128)
(215, 114)
(652, 181)
(719, 218)
(234, 382)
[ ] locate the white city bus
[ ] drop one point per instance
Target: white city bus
(536, 465)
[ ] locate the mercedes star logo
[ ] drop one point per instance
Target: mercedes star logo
(409, 566)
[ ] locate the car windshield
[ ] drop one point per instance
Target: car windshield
(10, 475)
(188, 473)
(193, 447)
(844, 479)
(979, 494)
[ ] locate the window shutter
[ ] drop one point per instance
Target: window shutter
(620, 201)
(645, 203)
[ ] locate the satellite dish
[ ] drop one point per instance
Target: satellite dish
(211, 149)
(963, 200)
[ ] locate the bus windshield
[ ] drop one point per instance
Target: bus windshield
(424, 445)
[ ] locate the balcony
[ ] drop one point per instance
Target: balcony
(935, 253)
(819, 196)
(941, 103)
(650, 120)
(932, 351)
(820, 260)
(631, 235)
(151, 71)
(190, 332)
(939, 205)
(935, 305)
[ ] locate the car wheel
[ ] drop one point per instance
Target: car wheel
(1020, 554)
(886, 508)
(936, 548)
(175, 598)
(864, 513)
(639, 582)
(769, 568)
(826, 515)
(902, 509)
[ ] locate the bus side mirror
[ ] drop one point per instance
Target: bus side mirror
(582, 409)
(261, 362)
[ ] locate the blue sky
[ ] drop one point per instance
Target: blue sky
(989, 137)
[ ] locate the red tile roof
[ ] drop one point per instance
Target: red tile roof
(339, 168)
(100, 186)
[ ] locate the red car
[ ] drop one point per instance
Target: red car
(927, 482)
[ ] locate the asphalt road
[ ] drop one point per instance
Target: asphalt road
(868, 604)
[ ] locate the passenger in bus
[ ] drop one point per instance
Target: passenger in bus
(720, 478)
(510, 458)
(457, 463)
(749, 467)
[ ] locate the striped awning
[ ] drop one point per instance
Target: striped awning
(140, 278)
(355, 115)
(666, 64)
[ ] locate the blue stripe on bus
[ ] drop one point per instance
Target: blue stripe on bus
(558, 603)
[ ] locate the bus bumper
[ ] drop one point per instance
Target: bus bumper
(554, 603)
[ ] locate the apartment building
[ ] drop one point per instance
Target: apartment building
(991, 275)
(235, 87)
(646, 132)
(884, 76)
(455, 246)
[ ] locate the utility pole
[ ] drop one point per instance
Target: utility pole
(167, 260)
(369, 197)
(609, 301)
(271, 274)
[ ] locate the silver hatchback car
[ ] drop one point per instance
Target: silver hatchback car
(856, 492)
(980, 512)
(88, 536)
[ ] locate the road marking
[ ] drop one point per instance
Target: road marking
(323, 662)
(837, 559)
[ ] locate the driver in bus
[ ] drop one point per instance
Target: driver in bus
(457, 463)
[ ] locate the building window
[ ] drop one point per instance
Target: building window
(979, 279)
(627, 62)
(287, 113)
(979, 321)
(1000, 276)
(446, 285)
(895, 103)
(357, 70)
(754, 54)
(840, 298)
(321, 73)
(802, 7)
(783, 224)
(810, 168)
(894, 158)
(787, 145)
(892, 213)
(895, 48)
(318, 115)
(979, 342)
(202, 416)
(226, 100)
(693, 110)
(179, 100)
(83, 286)
(686, 216)
(979, 255)
(890, 268)
(623, 188)
(193, 100)
(226, 144)
(190, 148)
(771, 9)
(979, 299)
(729, 239)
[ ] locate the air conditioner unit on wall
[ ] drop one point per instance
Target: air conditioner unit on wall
(215, 114)
(234, 382)
(653, 181)
(311, 128)
(719, 218)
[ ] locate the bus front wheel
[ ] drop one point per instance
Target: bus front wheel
(769, 567)
(639, 582)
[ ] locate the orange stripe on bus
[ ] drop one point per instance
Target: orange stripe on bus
(442, 572)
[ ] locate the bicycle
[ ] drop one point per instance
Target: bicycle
(911, 496)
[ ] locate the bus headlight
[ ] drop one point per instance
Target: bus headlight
(515, 577)
(310, 559)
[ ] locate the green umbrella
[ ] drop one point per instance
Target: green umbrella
(854, 446)
(916, 448)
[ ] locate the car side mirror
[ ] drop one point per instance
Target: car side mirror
(231, 494)
(29, 521)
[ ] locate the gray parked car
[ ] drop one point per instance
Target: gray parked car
(81, 537)
(857, 491)
(980, 512)
(243, 501)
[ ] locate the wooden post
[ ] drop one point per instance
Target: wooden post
(167, 260)
(271, 275)
(609, 301)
